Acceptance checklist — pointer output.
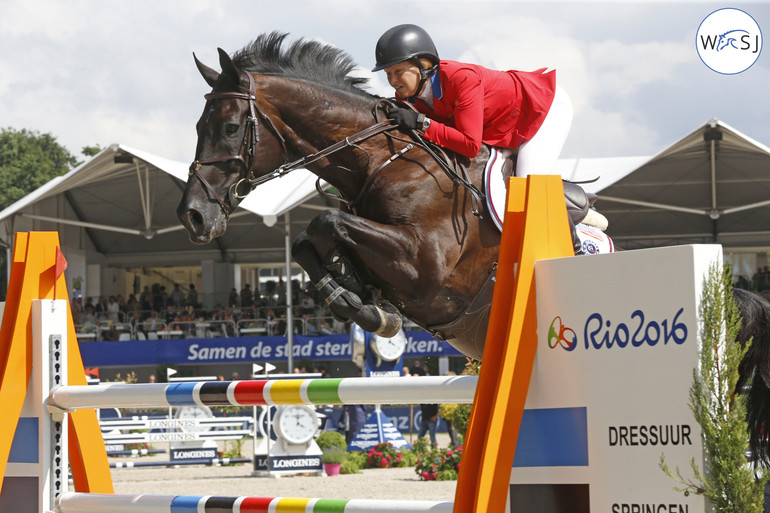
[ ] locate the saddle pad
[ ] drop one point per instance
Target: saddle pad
(594, 241)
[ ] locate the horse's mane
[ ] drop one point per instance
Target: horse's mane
(307, 60)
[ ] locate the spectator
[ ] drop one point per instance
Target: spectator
(153, 323)
(113, 309)
(100, 309)
(417, 369)
(111, 334)
(89, 317)
(428, 421)
(137, 325)
(270, 321)
(307, 305)
(233, 300)
(122, 307)
(170, 314)
(308, 326)
(145, 299)
(177, 296)
(76, 310)
(356, 417)
(246, 296)
(192, 297)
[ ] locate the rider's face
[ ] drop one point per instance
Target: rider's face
(404, 77)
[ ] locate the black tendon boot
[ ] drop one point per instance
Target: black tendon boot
(382, 319)
(339, 266)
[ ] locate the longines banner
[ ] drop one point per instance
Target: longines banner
(618, 339)
(242, 349)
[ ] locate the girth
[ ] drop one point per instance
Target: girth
(468, 332)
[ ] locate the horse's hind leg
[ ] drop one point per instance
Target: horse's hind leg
(343, 302)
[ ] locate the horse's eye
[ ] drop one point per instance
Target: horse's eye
(232, 128)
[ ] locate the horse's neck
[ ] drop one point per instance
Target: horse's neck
(318, 117)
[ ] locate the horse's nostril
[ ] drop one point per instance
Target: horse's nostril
(195, 217)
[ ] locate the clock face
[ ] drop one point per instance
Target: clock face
(390, 349)
(194, 413)
(297, 424)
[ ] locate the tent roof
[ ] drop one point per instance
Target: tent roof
(711, 186)
(126, 199)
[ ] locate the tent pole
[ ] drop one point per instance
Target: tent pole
(713, 176)
(289, 305)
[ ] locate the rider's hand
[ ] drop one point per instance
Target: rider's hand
(406, 118)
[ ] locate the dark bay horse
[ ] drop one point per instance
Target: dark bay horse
(406, 238)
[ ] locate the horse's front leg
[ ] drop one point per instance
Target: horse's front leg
(344, 300)
(336, 243)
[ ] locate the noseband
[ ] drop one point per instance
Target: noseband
(247, 152)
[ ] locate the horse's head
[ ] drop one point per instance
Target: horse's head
(237, 141)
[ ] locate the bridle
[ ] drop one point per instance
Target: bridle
(247, 151)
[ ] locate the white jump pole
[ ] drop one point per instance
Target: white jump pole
(92, 503)
(387, 390)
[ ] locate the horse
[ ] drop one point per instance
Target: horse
(411, 236)
(405, 240)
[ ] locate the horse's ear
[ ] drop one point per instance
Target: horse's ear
(229, 70)
(209, 75)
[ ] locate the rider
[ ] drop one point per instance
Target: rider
(460, 106)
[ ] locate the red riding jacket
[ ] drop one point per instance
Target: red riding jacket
(473, 104)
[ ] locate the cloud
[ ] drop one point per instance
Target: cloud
(93, 72)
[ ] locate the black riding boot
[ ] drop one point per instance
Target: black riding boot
(577, 244)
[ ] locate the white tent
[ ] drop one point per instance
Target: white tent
(711, 186)
(120, 209)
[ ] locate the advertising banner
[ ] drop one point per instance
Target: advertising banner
(243, 349)
(618, 339)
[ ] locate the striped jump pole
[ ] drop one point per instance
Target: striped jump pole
(386, 390)
(72, 502)
(174, 463)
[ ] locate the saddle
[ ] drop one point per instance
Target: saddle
(579, 202)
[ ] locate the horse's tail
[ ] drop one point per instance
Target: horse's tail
(755, 371)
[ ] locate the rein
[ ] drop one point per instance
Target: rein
(351, 141)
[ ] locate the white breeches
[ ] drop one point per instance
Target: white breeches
(538, 155)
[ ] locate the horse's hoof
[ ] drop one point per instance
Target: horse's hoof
(390, 320)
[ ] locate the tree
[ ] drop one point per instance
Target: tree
(90, 151)
(27, 161)
(729, 483)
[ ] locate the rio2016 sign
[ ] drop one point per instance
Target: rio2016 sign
(638, 331)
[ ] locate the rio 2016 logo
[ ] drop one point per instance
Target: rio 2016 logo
(560, 335)
(601, 333)
(729, 41)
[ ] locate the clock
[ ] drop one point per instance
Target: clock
(296, 424)
(194, 413)
(389, 349)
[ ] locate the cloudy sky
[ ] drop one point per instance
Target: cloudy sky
(97, 72)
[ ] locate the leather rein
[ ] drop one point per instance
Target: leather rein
(247, 153)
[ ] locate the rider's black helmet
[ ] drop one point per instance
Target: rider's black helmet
(404, 43)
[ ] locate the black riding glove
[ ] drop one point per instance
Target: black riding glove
(406, 118)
